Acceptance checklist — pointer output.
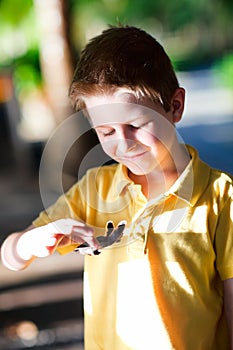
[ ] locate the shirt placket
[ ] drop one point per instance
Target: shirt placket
(141, 225)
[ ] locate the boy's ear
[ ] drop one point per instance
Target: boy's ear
(177, 104)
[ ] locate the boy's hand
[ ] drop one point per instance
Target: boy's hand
(42, 241)
(112, 235)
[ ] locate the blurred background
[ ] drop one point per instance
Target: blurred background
(40, 42)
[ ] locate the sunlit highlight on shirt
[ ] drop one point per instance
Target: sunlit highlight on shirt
(179, 276)
(136, 307)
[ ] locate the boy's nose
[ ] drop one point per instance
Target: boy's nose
(125, 145)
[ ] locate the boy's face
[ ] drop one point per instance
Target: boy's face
(136, 135)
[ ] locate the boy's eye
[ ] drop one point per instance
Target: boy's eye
(134, 127)
(108, 133)
(105, 131)
(142, 126)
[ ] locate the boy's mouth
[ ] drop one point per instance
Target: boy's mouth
(133, 156)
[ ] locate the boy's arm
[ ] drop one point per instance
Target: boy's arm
(228, 306)
(9, 255)
(21, 248)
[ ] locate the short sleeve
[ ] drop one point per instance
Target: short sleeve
(69, 205)
(224, 241)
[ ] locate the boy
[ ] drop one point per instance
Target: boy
(168, 284)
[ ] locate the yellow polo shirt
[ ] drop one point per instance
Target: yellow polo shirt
(161, 286)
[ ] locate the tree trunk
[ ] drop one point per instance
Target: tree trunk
(55, 54)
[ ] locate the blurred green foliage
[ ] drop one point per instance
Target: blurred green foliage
(27, 74)
(224, 68)
(19, 51)
(195, 33)
(13, 12)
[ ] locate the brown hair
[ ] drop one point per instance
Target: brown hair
(124, 57)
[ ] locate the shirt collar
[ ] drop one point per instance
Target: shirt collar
(193, 181)
(189, 186)
(120, 179)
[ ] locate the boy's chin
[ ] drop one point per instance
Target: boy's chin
(138, 171)
(144, 168)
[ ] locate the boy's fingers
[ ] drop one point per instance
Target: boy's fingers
(76, 232)
(84, 235)
(66, 240)
(86, 250)
(59, 237)
(93, 243)
(53, 242)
